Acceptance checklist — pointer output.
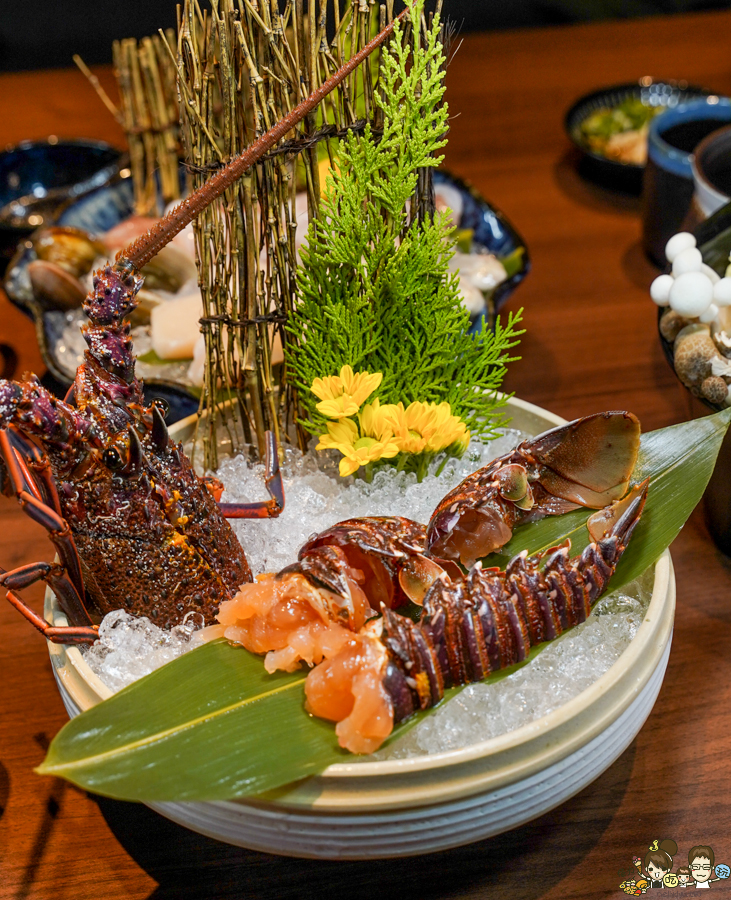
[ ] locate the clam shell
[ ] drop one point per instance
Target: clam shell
(169, 270)
(70, 248)
(54, 287)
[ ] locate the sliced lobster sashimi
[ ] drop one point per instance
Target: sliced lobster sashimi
(342, 578)
(349, 688)
(304, 613)
(467, 630)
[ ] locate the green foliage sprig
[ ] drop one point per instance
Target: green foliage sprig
(375, 291)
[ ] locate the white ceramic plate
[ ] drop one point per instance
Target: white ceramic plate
(369, 810)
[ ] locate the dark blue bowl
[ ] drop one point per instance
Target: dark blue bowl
(492, 230)
(612, 173)
(67, 169)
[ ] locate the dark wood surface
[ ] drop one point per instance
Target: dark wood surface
(591, 344)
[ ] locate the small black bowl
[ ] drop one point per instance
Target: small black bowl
(53, 170)
(612, 173)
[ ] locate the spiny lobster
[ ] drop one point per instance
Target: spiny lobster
(132, 524)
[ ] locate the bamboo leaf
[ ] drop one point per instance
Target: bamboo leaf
(214, 725)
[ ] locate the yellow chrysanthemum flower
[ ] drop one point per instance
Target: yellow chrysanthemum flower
(427, 427)
(358, 449)
(342, 395)
(408, 434)
(449, 430)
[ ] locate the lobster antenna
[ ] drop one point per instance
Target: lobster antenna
(148, 245)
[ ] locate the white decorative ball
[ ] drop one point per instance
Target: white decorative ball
(691, 294)
(660, 289)
(709, 315)
(689, 260)
(677, 243)
(722, 292)
(712, 274)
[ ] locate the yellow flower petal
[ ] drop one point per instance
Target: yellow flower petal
(375, 420)
(348, 466)
(340, 434)
(327, 388)
(452, 430)
(359, 385)
(338, 408)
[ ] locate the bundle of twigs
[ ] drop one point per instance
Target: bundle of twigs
(146, 79)
(242, 66)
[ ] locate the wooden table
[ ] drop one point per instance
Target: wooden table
(591, 344)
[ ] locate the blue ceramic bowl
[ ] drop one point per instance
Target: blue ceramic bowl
(64, 170)
(492, 230)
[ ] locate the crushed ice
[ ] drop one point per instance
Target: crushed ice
(129, 647)
(317, 498)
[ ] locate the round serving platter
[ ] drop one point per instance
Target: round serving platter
(405, 807)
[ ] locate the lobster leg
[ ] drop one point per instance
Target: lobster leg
(9, 442)
(39, 480)
(69, 588)
(266, 509)
(24, 576)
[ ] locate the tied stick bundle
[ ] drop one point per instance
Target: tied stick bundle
(147, 87)
(242, 66)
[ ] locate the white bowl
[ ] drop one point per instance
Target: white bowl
(404, 807)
